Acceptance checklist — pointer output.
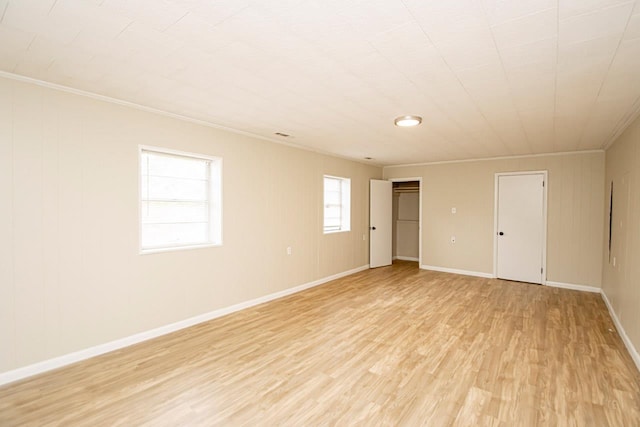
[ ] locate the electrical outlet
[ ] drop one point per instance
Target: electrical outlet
(288, 250)
(453, 239)
(453, 210)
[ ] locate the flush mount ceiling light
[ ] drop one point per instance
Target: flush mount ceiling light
(406, 121)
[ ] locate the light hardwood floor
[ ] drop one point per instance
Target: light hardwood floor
(390, 346)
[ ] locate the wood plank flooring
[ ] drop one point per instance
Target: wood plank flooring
(390, 346)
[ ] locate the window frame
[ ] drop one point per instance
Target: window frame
(214, 186)
(345, 202)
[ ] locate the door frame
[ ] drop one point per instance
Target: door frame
(419, 179)
(545, 175)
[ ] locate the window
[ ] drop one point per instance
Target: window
(180, 200)
(337, 204)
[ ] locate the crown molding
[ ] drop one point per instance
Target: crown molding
(129, 104)
(524, 156)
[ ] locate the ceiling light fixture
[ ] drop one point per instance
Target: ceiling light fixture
(406, 121)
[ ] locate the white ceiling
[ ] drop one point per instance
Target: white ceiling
(490, 78)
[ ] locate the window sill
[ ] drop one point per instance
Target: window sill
(335, 231)
(177, 248)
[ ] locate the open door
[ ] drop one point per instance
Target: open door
(380, 213)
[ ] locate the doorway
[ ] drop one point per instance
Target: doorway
(520, 226)
(406, 216)
(395, 221)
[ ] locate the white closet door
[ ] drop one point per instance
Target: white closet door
(520, 227)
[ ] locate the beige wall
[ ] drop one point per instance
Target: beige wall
(574, 221)
(70, 273)
(621, 283)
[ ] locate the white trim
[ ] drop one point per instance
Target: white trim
(623, 124)
(171, 151)
(523, 156)
(623, 334)
(457, 271)
(407, 179)
(77, 356)
(176, 248)
(336, 231)
(419, 179)
(406, 258)
(545, 177)
(345, 203)
(104, 98)
(215, 189)
(583, 288)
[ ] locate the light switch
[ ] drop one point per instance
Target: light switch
(453, 210)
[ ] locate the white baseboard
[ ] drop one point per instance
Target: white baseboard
(406, 258)
(457, 271)
(67, 359)
(583, 288)
(623, 334)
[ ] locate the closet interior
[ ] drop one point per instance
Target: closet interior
(406, 220)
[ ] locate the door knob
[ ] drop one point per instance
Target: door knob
(501, 233)
(372, 228)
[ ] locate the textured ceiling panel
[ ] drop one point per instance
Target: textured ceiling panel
(490, 77)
